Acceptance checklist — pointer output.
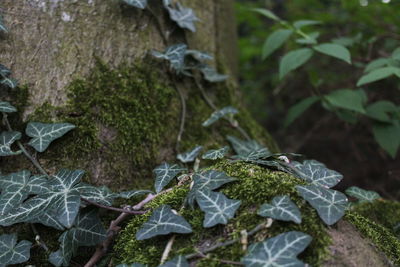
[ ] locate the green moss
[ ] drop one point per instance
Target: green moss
(381, 237)
(255, 185)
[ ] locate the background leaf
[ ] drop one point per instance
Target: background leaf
(296, 110)
(334, 50)
(274, 41)
(377, 74)
(162, 222)
(380, 110)
(215, 116)
(242, 147)
(303, 23)
(266, 13)
(387, 136)
(362, 195)
(346, 99)
(293, 60)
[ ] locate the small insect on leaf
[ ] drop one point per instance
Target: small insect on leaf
(6, 140)
(278, 251)
(189, 156)
(13, 253)
(281, 208)
(162, 222)
(226, 111)
(218, 208)
(362, 195)
(44, 133)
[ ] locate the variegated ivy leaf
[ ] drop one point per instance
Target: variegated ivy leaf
(4, 71)
(62, 197)
(88, 230)
(211, 74)
(218, 208)
(178, 261)
(44, 133)
(165, 173)
(189, 156)
(16, 187)
(7, 107)
(254, 155)
(281, 208)
(162, 222)
(9, 82)
(361, 194)
(48, 218)
(207, 180)
(137, 3)
(242, 147)
(175, 54)
(2, 27)
(11, 252)
(134, 193)
(183, 16)
(198, 55)
(131, 265)
(101, 195)
(6, 140)
(216, 153)
(330, 204)
(278, 251)
(317, 173)
(219, 114)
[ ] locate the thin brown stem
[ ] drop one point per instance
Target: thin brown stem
(133, 212)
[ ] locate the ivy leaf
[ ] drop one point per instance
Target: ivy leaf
(178, 261)
(377, 74)
(218, 208)
(137, 3)
(214, 154)
(254, 155)
(7, 107)
(275, 41)
(296, 110)
(334, 50)
(216, 115)
(316, 173)
(211, 74)
(198, 55)
(189, 156)
(16, 188)
(347, 99)
(6, 140)
(183, 16)
(2, 27)
(4, 71)
(207, 180)
(165, 173)
(330, 204)
(101, 195)
(9, 82)
(278, 251)
(11, 252)
(48, 218)
(243, 147)
(387, 136)
(134, 193)
(303, 23)
(361, 194)
(293, 60)
(131, 265)
(162, 222)
(281, 208)
(175, 54)
(44, 133)
(68, 249)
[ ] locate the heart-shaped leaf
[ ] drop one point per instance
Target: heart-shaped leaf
(68, 249)
(183, 16)
(210, 74)
(44, 133)
(6, 140)
(216, 153)
(175, 54)
(165, 173)
(162, 222)
(361, 194)
(254, 155)
(219, 114)
(189, 156)
(281, 208)
(278, 251)
(7, 107)
(101, 195)
(137, 3)
(316, 173)
(11, 252)
(207, 180)
(330, 204)
(218, 208)
(242, 147)
(178, 261)
(16, 187)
